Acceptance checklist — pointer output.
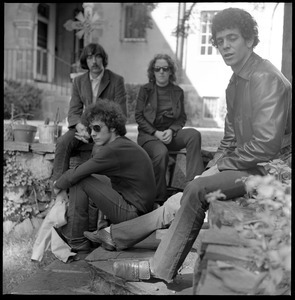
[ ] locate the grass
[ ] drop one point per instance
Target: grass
(17, 264)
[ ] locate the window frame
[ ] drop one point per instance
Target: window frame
(207, 34)
(124, 6)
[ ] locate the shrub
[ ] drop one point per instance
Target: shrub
(25, 97)
(132, 91)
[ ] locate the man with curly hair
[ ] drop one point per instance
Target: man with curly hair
(118, 178)
(257, 129)
(96, 83)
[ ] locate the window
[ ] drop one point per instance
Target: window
(42, 41)
(206, 23)
(135, 21)
(210, 107)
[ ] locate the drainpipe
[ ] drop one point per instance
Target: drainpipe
(180, 38)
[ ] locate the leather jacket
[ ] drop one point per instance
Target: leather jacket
(258, 126)
(146, 109)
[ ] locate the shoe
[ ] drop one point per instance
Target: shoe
(132, 270)
(78, 247)
(102, 237)
(82, 247)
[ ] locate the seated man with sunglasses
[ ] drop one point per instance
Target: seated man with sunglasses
(161, 117)
(118, 179)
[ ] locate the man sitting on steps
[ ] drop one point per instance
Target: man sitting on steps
(257, 129)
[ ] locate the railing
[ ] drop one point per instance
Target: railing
(38, 67)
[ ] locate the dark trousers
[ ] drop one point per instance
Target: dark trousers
(189, 219)
(188, 138)
(63, 151)
(98, 189)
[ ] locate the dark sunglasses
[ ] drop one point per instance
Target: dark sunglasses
(96, 128)
(158, 69)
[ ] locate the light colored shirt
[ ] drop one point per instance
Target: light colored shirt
(95, 83)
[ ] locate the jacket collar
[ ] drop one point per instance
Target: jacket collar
(249, 65)
(104, 82)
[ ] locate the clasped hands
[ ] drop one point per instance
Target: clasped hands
(82, 134)
(164, 136)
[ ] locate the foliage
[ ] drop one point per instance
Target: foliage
(270, 233)
(16, 175)
(26, 98)
(132, 91)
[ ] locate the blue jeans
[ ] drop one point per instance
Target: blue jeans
(189, 219)
(188, 138)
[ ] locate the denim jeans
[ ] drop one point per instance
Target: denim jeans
(188, 138)
(97, 189)
(127, 234)
(189, 219)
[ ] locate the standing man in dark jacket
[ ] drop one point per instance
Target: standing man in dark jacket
(119, 178)
(258, 129)
(97, 83)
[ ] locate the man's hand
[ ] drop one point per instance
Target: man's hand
(167, 136)
(211, 171)
(159, 135)
(164, 136)
(82, 134)
(55, 189)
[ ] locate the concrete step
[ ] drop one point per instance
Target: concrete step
(92, 274)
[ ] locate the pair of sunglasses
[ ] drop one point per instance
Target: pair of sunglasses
(96, 128)
(158, 69)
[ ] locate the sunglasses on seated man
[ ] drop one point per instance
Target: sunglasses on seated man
(158, 69)
(96, 128)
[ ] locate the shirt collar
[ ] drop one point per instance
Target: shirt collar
(98, 78)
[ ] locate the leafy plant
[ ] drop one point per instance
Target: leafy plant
(16, 175)
(270, 233)
(26, 98)
(131, 91)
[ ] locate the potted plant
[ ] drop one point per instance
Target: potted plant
(18, 129)
(48, 134)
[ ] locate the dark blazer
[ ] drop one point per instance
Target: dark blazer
(111, 87)
(146, 108)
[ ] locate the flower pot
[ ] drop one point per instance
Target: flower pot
(48, 134)
(24, 133)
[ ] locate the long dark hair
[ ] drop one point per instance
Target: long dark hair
(171, 64)
(93, 49)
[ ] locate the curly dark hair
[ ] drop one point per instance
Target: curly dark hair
(171, 64)
(93, 49)
(230, 18)
(106, 111)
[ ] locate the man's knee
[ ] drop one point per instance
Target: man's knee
(170, 207)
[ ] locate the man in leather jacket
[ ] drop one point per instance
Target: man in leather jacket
(257, 130)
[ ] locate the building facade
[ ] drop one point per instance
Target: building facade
(43, 42)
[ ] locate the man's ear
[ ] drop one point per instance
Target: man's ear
(250, 43)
